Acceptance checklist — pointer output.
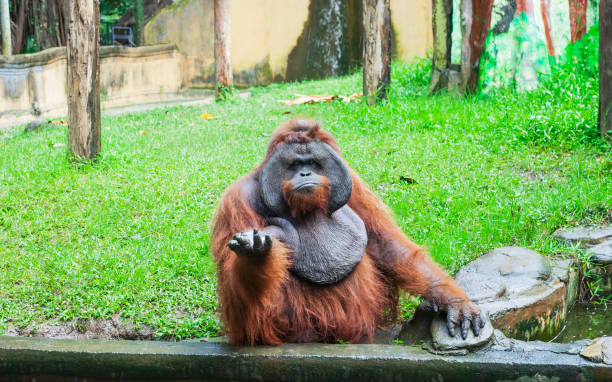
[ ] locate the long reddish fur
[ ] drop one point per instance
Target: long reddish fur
(261, 302)
(300, 203)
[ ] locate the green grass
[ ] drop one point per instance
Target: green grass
(129, 234)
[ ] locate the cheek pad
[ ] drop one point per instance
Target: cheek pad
(339, 177)
(271, 182)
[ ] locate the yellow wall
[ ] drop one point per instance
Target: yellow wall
(411, 21)
(35, 84)
(264, 32)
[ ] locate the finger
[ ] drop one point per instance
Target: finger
(241, 239)
(233, 244)
(451, 321)
(268, 242)
(256, 240)
(451, 328)
(476, 325)
(435, 306)
(483, 320)
(239, 236)
(465, 326)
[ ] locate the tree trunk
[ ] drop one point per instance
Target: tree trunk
(5, 21)
(20, 28)
(524, 6)
(545, 7)
(442, 21)
(376, 49)
(223, 42)
(605, 68)
(83, 78)
(60, 9)
(139, 22)
(475, 23)
(578, 18)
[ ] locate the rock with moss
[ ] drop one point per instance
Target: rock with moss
(525, 295)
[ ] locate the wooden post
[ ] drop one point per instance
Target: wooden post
(442, 22)
(605, 68)
(376, 49)
(223, 41)
(83, 78)
(5, 20)
(475, 23)
(139, 22)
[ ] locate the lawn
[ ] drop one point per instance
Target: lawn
(129, 235)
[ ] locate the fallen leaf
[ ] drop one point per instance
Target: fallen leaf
(59, 122)
(59, 145)
(206, 115)
(286, 112)
(353, 97)
(308, 99)
(304, 99)
(142, 132)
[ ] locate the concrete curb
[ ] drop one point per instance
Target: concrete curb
(63, 359)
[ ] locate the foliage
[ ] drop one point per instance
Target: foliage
(112, 10)
(582, 57)
(592, 277)
(225, 93)
(563, 109)
(129, 234)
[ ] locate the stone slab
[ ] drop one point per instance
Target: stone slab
(526, 296)
(602, 252)
(584, 235)
(443, 341)
(57, 359)
(599, 351)
(510, 262)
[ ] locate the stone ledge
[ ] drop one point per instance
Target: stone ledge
(59, 53)
(141, 360)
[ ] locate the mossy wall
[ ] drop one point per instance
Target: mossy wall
(516, 50)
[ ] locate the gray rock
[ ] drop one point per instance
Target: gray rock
(504, 273)
(606, 351)
(584, 235)
(602, 252)
(501, 342)
(521, 291)
(443, 341)
(599, 351)
(510, 262)
(480, 287)
(562, 269)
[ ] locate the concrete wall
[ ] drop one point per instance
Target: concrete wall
(35, 84)
(266, 32)
(412, 25)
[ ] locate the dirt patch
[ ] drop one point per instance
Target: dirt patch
(114, 328)
(531, 176)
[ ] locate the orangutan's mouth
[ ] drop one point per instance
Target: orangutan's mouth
(306, 186)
